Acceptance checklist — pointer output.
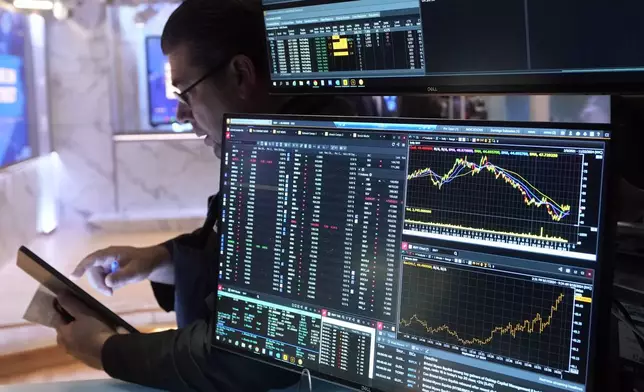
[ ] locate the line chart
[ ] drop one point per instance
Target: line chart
(531, 195)
(527, 326)
(520, 196)
(491, 312)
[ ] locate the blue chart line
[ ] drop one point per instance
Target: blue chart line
(531, 195)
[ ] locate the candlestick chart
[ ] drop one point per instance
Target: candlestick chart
(516, 195)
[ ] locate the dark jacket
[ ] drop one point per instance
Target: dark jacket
(184, 359)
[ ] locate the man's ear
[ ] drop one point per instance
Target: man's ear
(242, 75)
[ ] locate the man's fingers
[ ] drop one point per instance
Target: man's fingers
(88, 262)
(122, 277)
(96, 277)
(101, 258)
(59, 339)
(57, 320)
(74, 307)
(63, 336)
(121, 331)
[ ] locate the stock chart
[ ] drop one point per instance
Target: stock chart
(498, 314)
(516, 195)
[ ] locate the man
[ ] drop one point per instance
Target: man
(218, 59)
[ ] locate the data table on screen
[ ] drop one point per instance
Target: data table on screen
(453, 46)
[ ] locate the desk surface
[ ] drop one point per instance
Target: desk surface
(78, 386)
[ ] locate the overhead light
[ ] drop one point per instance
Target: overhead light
(47, 5)
(60, 11)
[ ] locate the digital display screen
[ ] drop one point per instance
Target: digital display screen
(413, 256)
(162, 102)
(14, 118)
(454, 46)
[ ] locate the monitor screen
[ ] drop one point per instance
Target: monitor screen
(162, 102)
(14, 119)
(418, 256)
(454, 46)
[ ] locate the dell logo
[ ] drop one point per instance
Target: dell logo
(432, 89)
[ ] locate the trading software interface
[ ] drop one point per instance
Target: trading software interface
(330, 44)
(396, 256)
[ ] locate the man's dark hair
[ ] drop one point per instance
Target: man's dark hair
(216, 30)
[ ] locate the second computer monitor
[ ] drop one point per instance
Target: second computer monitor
(455, 46)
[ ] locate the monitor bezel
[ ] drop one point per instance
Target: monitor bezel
(589, 83)
(599, 345)
(152, 123)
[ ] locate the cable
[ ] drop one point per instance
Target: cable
(306, 373)
(620, 312)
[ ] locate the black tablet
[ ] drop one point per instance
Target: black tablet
(56, 282)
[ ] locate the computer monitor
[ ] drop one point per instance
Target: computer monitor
(162, 103)
(455, 46)
(427, 255)
(16, 144)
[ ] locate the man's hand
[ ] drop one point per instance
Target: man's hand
(84, 337)
(134, 265)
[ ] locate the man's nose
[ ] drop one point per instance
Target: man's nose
(184, 114)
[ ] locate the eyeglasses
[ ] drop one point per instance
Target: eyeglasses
(182, 96)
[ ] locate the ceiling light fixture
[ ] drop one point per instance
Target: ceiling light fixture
(46, 5)
(60, 11)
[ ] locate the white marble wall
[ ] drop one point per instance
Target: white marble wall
(97, 79)
(22, 188)
(79, 69)
(161, 185)
(165, 177)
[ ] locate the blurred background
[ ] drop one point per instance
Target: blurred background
(90, 155)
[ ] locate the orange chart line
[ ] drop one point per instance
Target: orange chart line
(537, 324)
